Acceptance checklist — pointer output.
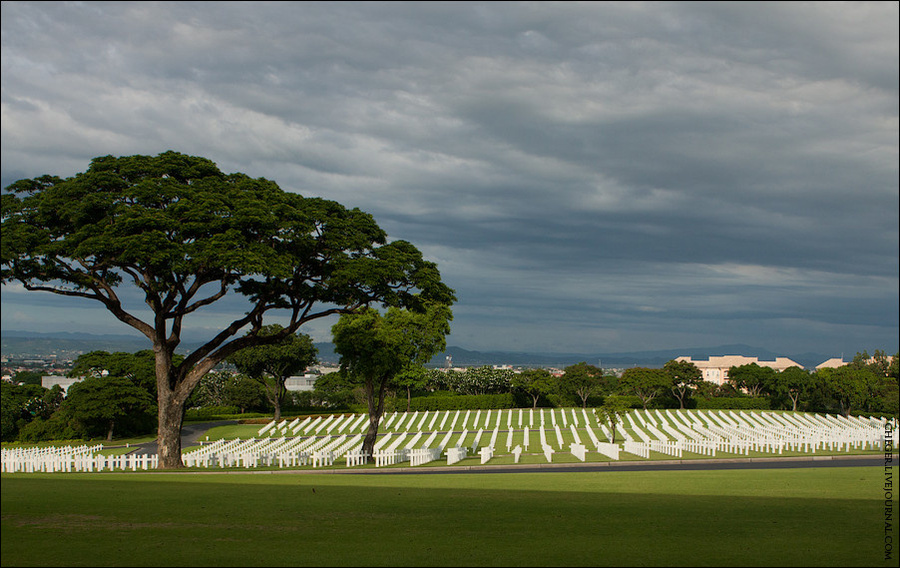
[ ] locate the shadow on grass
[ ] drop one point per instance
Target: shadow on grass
(279, 520)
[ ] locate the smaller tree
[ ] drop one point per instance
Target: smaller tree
(610, 412)
(271, 364)
(212, 390)
(845, 386)
(246, 393)
(20, 405)
(792, 383)
(338, 390)
(535, 383)
(376, 348)
(139, 367)
(685, 378)
(751, 378)
(645, 383)
(582, 380)
(103, 405)
(413, 377)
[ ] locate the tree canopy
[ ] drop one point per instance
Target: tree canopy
(272, 364)
(186, 235)
(685, 378)
(104, 404)
(645, 383)
(376, 348)
(582, 380)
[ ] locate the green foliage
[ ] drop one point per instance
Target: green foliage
(733, 403)
(462, 402)
(21, 404)
(791, 385)
(374, 349)
(581, 381)
(28, 377)
(630, 401)
(139, 368)
(212, 390)
(536, 383)
(611, 412)
(644, 383)
(246, 394)
(211, 413)
(412, 378)
(337, 390)
(474, 380)
(272, 363)
(685, 378)
(188, 235)
(751, 378)
(109, 405)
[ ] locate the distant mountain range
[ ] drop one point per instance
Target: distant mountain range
(20, 343)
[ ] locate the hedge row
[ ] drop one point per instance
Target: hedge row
(732, 403)
(462, 402)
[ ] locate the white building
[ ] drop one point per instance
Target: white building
(832, 363)
(305, 382)
(715, 369)
(47, 381)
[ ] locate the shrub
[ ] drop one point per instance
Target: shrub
(733, 403)
(461, 402)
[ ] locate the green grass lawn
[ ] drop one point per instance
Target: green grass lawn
(784, 517)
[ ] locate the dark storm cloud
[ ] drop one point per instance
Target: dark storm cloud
(588, 176)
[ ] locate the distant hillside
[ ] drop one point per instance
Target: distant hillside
(66, 345)
(17, 344)
(463, 358)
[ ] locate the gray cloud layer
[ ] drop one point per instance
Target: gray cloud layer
(588, 176)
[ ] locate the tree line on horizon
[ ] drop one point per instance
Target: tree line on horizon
(116, 396)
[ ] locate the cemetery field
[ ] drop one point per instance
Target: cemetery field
(782, 517)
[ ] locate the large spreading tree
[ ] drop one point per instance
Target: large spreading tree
(187, 236)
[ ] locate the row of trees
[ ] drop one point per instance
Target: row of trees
(116, 395)
(867, 384)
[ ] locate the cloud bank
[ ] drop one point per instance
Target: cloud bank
(588, 176)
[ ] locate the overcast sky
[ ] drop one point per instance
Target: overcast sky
(589, 177)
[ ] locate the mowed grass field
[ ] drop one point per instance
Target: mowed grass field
(785, 517)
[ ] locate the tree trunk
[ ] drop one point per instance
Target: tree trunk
(375, 403)
(277, 404)
(109, 435)
(280, 395)
(168, 439)
(171, 410)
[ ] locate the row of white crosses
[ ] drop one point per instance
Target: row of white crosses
(706, 432)
(83, 458)
(424, 437)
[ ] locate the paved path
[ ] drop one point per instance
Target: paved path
(190, 436)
